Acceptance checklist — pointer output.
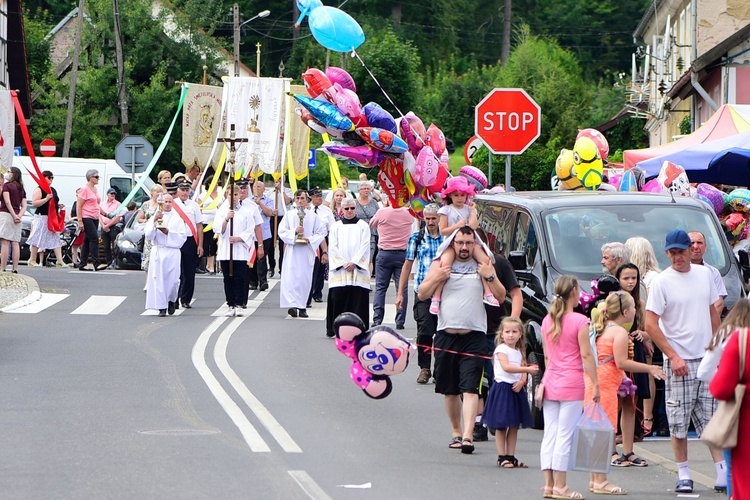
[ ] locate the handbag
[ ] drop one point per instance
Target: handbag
(721, 431)
(593, 441)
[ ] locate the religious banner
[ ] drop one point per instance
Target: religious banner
(201, 124)
(7, 131)
(299, 137)
(255, 106)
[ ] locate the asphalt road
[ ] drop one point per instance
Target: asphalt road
(102, 401)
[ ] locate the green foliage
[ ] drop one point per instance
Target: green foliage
(686, 125)
(36, 24)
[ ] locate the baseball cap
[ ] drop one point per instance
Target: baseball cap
(111, 191)
(677, 239)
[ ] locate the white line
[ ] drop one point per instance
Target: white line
(100, 305)
(154, 312)
(46, 300)
(260, 411)
(308, 485)
(252, 438)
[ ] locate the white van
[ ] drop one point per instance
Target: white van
(70, 174)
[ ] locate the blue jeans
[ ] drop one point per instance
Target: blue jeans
(388, 264)
(728, 459)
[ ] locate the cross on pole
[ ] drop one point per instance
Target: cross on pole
(232, 140)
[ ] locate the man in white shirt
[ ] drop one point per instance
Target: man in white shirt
(265, 205)
(321, 259)
(192, 249)
(697, 250)
(282, 197)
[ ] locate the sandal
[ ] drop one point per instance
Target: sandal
(517, 464)
(467, 448)
(504, 461)
(547, 491)
(647, 430)
(566, 493)
(601, 489)
(455, 443)
(620, 460)
(635, 460)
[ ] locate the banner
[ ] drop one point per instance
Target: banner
(201, 125)
(299, 138)
(255, 107)
(7, 131)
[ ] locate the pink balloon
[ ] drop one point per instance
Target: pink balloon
(651, 186)
(615, 181)
(427, 167)
(340, 76)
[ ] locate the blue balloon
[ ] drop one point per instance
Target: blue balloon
(628, 182)
(305, 7)
(334, 29)
(379, 118)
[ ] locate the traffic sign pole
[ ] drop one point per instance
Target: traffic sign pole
(507, 172)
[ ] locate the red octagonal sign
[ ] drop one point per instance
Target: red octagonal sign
(508, 121)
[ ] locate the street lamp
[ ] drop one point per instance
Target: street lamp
(237, 26)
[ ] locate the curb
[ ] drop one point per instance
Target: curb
(671, 466)
(32, 296)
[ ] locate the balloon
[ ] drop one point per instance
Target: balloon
(473, 174)
(316, 82)
(417, 204)
(412, 130)
(348, 103)
(426, 169)
(715, 197)
(340, 76)
(326, 113)
(336, 30)
(640, 177)
(588, 163)
(739, 200)
(651, 186)
(565, 171)
(736, 223)
(435, 138)
(351, 138)
(409, 182)
(627, 182)
(601, 142)
(307, 119)
(380, 118)
(305, 7)
(614, 181)
(410, 163)
(439, 183)
(382, 140)
(391, 179)
(365, 156)
(673, 178)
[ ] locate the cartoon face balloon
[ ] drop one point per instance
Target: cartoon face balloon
(316, 82)
(565, 170)
(673, 179)
(376, 354)
(588, 163)
(601, 142)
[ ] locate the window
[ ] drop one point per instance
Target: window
(524, 237)
(497, 222)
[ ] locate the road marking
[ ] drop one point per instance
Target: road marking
(253, 303)
(252, 438)
(318, 313)
(308, 485)
(46, 300)
(100, 305)
(269, 422)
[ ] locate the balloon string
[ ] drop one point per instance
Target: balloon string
(354, 53)
(430, 348)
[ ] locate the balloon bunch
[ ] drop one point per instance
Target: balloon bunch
(376, 354)
(412, 158)
(333, 28)
(583, 166)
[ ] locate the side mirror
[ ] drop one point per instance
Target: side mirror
(517, 259)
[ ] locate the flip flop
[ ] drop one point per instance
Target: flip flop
(468, 449)
(455, 443)
(684, 486)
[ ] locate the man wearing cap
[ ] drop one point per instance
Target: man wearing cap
(681, 318)
(166, 231)
(192, 249)
(697, 250)
(171, 188)
(321, 258)
(110, 228)
(301, 241)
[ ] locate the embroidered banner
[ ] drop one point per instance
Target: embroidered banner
(7, 131)
(201, 125)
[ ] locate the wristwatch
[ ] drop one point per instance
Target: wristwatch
(324, 253)
(490, 278)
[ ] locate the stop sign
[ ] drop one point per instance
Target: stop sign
(508, 121)
(47, 147)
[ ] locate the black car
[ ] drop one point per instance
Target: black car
(548, 234)
(129, 245)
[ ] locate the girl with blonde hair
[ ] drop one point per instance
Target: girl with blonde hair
(642, 255)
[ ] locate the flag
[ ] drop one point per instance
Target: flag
(201, 124)
(255, 106)
(299, 138)
(7, 131)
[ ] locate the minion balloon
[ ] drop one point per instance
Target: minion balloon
(565, 171)
(588, 163)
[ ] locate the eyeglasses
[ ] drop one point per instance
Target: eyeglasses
(463, 243)
(349, 208)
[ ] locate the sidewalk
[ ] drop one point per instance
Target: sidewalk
(17, 290)
(658, 451)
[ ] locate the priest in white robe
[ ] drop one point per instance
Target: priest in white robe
(299, 257)
(164, 265)
(348, 267)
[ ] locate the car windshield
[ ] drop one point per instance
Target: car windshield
(577, 234)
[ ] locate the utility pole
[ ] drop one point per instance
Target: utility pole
(73, 80)
(236, 11)
(122, 94)
(505, 48)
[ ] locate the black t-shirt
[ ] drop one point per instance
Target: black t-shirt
(44, 209)
(507, 276)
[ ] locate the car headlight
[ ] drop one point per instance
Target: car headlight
(127, 245)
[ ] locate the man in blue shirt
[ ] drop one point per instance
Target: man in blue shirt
(422, 248)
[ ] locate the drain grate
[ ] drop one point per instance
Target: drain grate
(179, 432)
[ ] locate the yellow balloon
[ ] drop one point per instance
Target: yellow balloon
(566, 172)
(588, 163)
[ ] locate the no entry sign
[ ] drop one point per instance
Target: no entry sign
(47, 147)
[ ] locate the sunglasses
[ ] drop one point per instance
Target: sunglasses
(349, 208)
(51, 177)
(95, 176)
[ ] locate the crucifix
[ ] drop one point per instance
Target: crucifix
(232, 140)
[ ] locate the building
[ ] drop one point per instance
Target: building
(14, 71)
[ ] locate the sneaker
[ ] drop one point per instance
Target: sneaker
(435, 306)
(424, 376)
(480, 432)
(264, 287)
(490, 300)
(232, 311)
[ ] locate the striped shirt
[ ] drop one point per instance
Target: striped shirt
(424, 255)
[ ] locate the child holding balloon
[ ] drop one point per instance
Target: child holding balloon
(459, 211)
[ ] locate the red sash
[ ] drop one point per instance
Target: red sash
(187, 220)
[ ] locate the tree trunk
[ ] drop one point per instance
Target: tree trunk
(505, 49)
(73, 80)
(396, 13)
(122, 95)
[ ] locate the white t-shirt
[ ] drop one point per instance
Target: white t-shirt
(682, 301)
(455, 214)
(718, 281)
(515, 358)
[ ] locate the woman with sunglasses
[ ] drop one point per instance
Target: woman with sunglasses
(88, 210)
(41, 238)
